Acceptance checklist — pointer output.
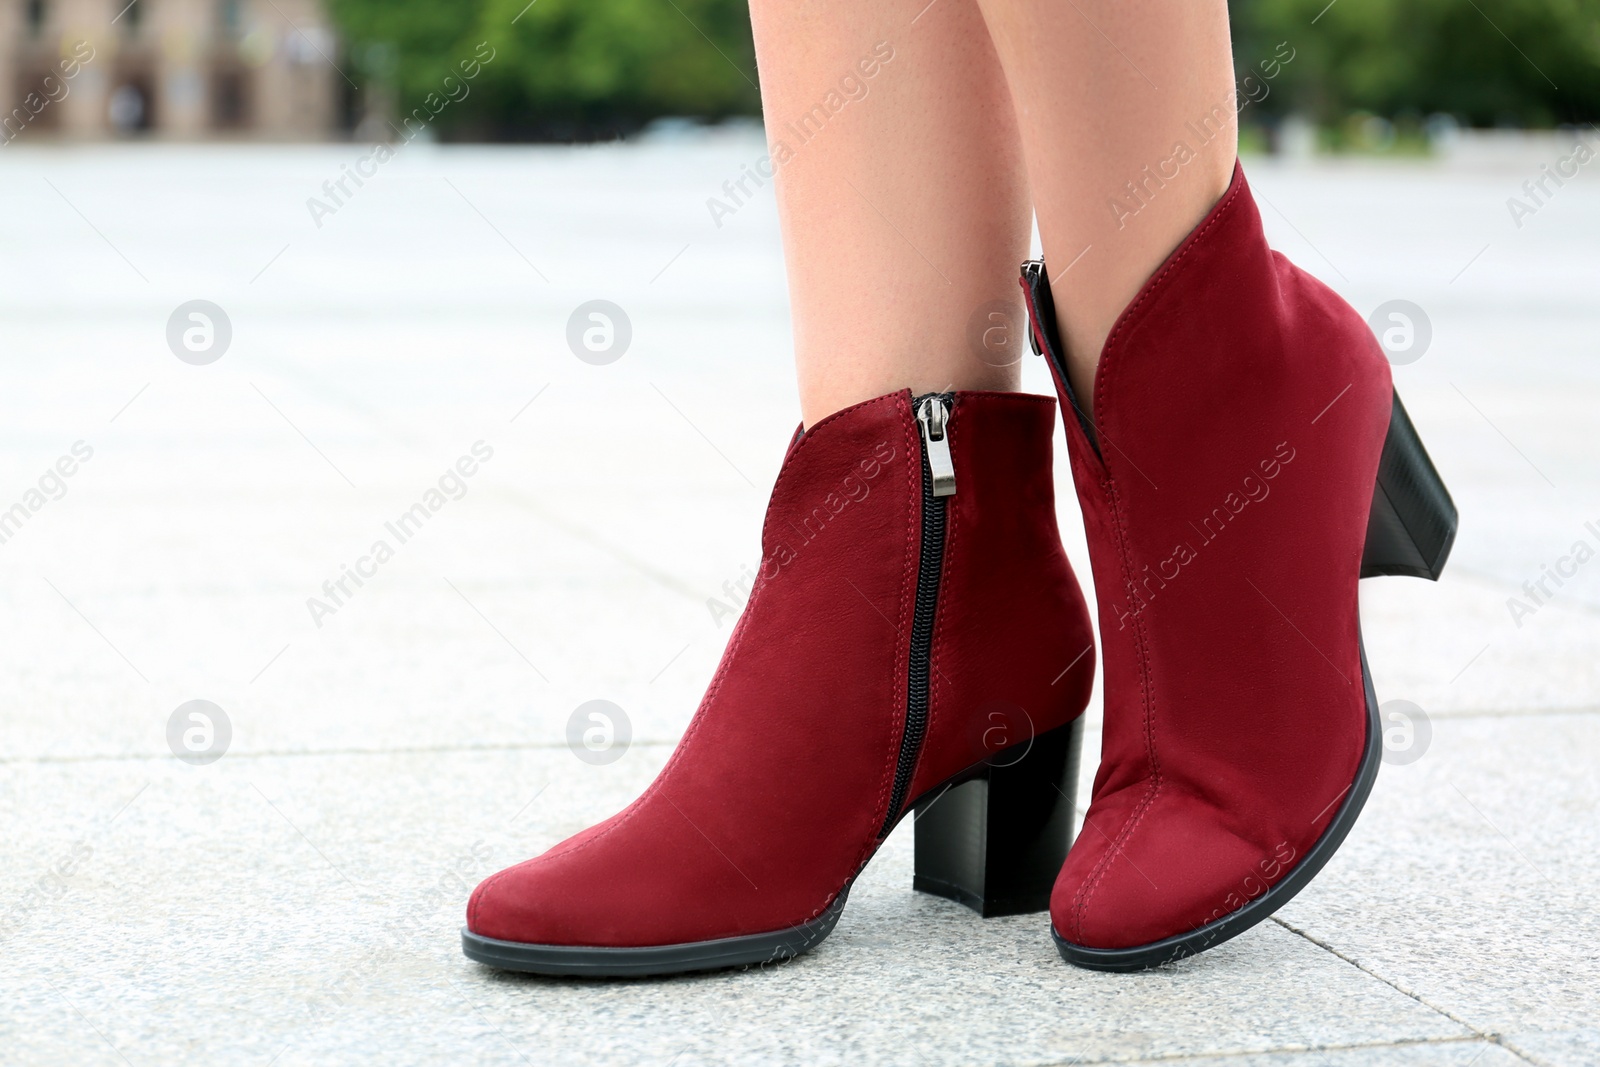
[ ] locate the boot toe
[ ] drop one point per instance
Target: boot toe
(1172, 865)
(508, 906)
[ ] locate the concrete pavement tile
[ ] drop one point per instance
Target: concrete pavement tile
(311, 903)
(1467, 881)
(1570, 1048)
(305, 907)
(1450, 1054)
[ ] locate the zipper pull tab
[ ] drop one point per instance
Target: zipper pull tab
(934, 416)
(1031, 270)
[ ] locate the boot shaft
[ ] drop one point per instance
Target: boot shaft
(966, 580)
(1240, 409)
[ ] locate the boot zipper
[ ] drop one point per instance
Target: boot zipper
(934, 416)
(938, 483)
(1044, 316)
(1031, 269)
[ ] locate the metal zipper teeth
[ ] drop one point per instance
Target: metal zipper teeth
(930, 565)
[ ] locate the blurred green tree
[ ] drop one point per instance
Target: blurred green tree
(562, 69)
(580, 69)
(1488, 62)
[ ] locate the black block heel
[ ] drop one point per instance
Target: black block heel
(1413, 520)
(996, 842)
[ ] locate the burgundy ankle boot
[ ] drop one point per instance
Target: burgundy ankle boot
(915, 636)
(1246, 463)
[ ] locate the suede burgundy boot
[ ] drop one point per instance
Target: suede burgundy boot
(915, 636)
(1247, 462)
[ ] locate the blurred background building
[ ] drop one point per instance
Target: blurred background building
(179, 69)
(1367, 76)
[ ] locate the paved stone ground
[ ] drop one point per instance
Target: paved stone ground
(297, 901)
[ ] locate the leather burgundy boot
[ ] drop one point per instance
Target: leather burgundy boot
(1247, 462)
(915, 636)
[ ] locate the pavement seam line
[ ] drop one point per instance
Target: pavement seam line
(1284, 1050)
(1485, 1035)
(1524, 1054)
(1516, 713)
(524, 746)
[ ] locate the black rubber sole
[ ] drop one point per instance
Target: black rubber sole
(1023, 854)
(1181, 946)
(578, 961)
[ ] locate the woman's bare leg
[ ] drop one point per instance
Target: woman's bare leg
(901, 191)
(1130, 129)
